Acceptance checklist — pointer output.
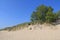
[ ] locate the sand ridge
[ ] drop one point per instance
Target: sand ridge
(42, 34)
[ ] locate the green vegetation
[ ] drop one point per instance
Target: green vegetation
(42, 14)
(17, 27)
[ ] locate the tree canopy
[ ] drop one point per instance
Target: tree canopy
(44, 14)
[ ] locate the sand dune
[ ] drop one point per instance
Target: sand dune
(42, 34)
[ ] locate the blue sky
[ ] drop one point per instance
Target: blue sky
(13, 12)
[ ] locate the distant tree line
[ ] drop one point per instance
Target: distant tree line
(44, 14)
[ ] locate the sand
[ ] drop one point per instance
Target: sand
(42, 34)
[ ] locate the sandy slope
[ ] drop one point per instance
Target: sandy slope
(42, 34)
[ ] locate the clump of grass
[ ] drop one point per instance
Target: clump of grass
(17, 27)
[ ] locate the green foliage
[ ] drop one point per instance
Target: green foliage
(58, 14)
(44, 14)
(50, 17)
(42, 8)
